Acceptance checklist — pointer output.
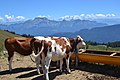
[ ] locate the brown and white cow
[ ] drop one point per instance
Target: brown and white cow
(51, 49)
(17, 44)
(76, 43)
(23, 47)
(20, 45)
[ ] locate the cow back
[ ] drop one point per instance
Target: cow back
(20, 45)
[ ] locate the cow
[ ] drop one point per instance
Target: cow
(76, 43)
(23, 47)
(20, 45)
(48, 48)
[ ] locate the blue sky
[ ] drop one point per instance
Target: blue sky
(12, 10)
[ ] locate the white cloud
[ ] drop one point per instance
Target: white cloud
(20, 18)
(48, 16)
(42, 16)
(113, 15)
(1, 19)
(12, 18)
(82, 15)
(9, 18)
(87, 16)
(100, 15)
(76, 17)
(67, 17)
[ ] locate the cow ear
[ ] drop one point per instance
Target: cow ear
(76, 39)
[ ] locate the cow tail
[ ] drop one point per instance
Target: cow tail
(36, 55)
(6, 43)
(32, 58)
(32, 42)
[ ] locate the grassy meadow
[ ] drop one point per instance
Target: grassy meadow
(103, 47)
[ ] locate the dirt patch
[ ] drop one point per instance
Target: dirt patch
(25, 69)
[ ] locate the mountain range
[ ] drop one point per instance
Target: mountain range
(99, 34)
(44, 26)
(89, 30)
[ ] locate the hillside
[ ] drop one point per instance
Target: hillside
(102, 34)
(99, 34)
(3, 36)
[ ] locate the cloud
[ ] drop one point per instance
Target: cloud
(42, 16)
(1, 19)
(48, 16)
(9, 18)
(87, 16)
(67, 17)
(20, 18)
(12, 18)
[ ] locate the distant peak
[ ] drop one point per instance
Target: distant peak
(41, 18)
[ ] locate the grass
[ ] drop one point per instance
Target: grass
(103, 47)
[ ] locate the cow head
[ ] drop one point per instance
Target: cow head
(79, 42)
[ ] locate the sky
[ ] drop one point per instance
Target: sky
(18, 10)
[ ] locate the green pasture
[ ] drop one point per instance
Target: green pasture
(103, 47)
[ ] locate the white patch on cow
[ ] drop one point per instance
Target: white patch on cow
(38, 52)
(82, 43)
(10, 64)
(39, 37)
(43, 38)
(55, 37)
(67, 42)
(58, 53)
(80, 38)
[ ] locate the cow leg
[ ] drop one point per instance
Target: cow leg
(57, 64)
(76, 58)
(67, 63)
(37, 60)
(61, 63)
(10, 63)
(44, 68)
(10, 58)
(43, 64)
(47, 64)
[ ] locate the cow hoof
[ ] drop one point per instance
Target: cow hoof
(39, 73)
(69, 71)
(60, 71)
(44, 77)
